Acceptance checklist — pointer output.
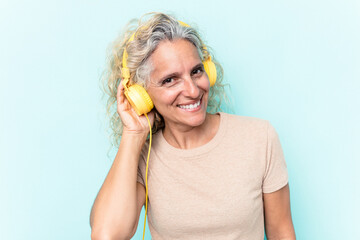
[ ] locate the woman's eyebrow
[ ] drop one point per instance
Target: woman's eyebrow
(169, 75)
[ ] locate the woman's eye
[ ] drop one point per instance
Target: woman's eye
(168, 80)
(197, 71)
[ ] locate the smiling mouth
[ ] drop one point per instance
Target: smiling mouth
(191, 106)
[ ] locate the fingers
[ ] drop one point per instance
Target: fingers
(122, 103)
(120, 94)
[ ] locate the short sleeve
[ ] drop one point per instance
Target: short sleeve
(276, 175)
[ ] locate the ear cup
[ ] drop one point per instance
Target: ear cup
(210, 69)
(139, 99)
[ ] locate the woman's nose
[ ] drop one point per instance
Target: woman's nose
(191, 88)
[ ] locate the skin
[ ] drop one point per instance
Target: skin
(178, 79)
(278, 222)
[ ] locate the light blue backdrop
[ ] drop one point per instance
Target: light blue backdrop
(295, 63)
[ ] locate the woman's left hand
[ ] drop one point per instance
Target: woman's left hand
(278, 223)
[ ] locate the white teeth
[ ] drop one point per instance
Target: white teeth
(190, 106)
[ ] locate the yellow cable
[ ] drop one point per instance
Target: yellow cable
(147, 166)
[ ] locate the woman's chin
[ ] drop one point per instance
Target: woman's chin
(194, 119)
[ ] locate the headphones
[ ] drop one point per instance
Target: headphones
(137, 95)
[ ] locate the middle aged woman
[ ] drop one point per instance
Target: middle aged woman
(211, 175)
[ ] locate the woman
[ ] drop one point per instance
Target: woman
(211, 175)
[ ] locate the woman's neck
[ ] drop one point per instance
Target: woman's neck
(192, 137)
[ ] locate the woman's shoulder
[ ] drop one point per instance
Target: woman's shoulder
(244, 121)
(246, 127)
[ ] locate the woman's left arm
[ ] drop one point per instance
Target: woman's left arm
(278, 222)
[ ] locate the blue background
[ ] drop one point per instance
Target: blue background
(295, 63)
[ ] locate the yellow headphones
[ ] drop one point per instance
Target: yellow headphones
(137, 95)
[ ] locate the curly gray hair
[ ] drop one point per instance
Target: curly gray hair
(148, 34)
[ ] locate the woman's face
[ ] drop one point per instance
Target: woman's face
(179, 86)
